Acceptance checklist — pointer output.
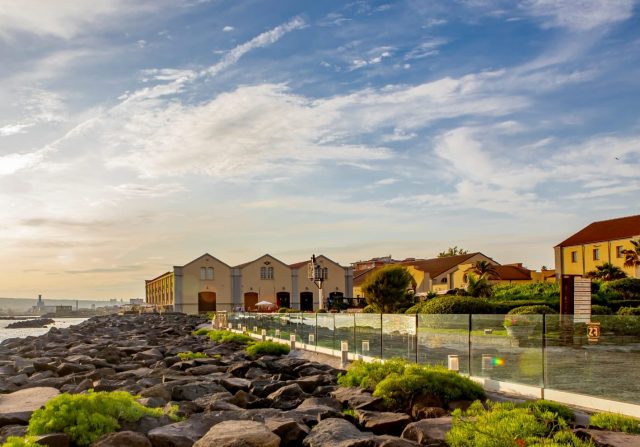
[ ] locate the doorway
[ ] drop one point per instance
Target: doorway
(250, 301)
(306, 301)
(283, 299)
(206, 302)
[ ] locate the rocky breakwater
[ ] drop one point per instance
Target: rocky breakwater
(226, 398)
(32, 323)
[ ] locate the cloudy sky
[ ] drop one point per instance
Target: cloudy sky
(136, 135)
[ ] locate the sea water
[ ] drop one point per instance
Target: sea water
(26, 332)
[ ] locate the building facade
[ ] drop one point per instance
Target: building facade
(596, 244)
(207, 284)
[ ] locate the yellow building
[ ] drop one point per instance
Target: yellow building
(208, 284)
(596, 244)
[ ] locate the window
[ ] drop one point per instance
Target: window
(266, 272)
(444, 280)
(203, 273)
(574, 256)
(210, 273)
(619, 250)
(596, 254)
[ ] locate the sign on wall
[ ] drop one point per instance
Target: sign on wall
(581, 300)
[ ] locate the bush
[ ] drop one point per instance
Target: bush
(542, 405)
(532, 310)
(629, 311)
(368, 309)
(188, 355)
(627, 288)
(229, 337)
(456, 305)
(399, 383)
(617, 304)
(597, 309)
(506, 425)
(86, 417)
(615, 422)
(619, 324)
(537, 291)
(287, 310)
(503, 307)
(27, 441)
(268, 348)
(201, 331)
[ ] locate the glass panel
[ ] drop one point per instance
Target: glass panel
(368, 335)
(309, 329)
(399, 336)
(507, 348)
(604, 366)
(442, 335)
(325, 331)
(345, 324)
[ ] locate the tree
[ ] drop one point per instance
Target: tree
(453, 251)
(386, 289)
(632, 255)
(478, 287)
(484, 269)
(607, 272)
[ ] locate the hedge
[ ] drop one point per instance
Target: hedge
(450, 304)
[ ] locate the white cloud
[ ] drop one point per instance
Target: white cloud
(138, 190)
(13, 129)
(12, 163)
(425, 49)
(580, 15)
(63, 19)
(228, 29)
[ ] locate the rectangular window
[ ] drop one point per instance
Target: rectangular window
(596, 254)
(266, 272)
(203, 273)
(619, 251)
(210, 273)
(574, 256)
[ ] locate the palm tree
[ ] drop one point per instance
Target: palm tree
(632, 255)
(478, 287)
(607, 272)
(485, 270)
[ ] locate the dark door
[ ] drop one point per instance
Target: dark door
(250, 301)
(306, 301)
(206, 302)
(283, 299)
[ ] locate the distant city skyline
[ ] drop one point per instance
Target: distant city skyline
(138, 135)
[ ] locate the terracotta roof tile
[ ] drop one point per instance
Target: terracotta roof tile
(512, 272)
(438, 266)
(605, 230)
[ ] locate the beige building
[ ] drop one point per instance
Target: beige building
(208, 284)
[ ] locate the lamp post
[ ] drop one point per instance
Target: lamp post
(317, 274)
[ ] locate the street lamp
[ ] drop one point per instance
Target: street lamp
(317, 274)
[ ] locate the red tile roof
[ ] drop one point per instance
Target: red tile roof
(438, 266)
(605, 230)
(360, 276)
(512, 272)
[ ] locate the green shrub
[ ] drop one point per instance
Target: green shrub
(627, 288)
(27, 441)
(542, 405)
(268, 348)
(537, 291)
(230, 337)
(628, 311)
(615, 422)
(201, 331)
(399, 383)
(597, 309)
(618, 324)
(508, 425)
(369, 309)
(503, 307)
(287, 310)
(367, 375)
(86, 417)
(532, 310)
(449, 304)
(191, 355)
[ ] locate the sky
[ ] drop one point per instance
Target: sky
(138, 135)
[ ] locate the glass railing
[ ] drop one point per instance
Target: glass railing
(544, 351)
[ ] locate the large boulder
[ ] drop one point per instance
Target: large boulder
(17, 407)
(383, 423)
(290, 432)
(430, 432)
(239, 434)
(192, 391)
(288, 397)
(335, 432)
(605, 438)
(123, 438)
(185, 433)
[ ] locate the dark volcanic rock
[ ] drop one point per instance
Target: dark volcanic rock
(428, 431)
(17, 407)
(123, 438)
(383, 423)
(34, 323)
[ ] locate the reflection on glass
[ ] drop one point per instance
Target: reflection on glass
(398, 337)
(442, 335)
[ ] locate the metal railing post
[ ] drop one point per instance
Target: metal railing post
(469, 344)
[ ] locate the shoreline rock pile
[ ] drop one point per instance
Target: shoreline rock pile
(32, 323)
(225, 399)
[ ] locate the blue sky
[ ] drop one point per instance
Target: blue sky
(137, 135)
